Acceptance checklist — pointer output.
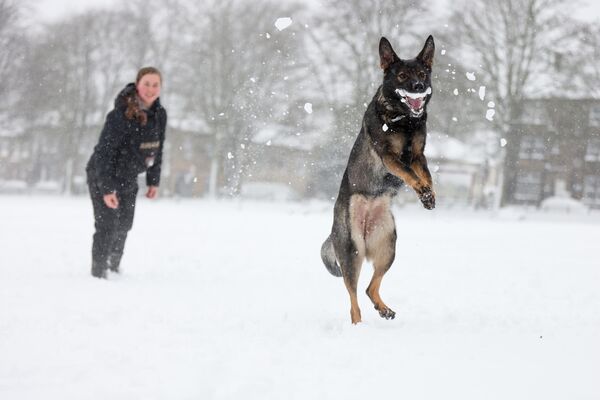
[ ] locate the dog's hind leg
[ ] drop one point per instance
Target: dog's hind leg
(351, 260)
(381, 251)
(351, 271)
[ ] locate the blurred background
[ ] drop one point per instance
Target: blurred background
(265, 97)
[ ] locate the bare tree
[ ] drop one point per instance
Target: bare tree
(161, 28)
(75, 70)
(119, 53)
(579, 61)
(238, 76)
(512, 41)
(12, 44)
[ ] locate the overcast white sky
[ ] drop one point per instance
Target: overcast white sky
(50, 10)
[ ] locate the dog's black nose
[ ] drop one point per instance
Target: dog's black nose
(418, 87)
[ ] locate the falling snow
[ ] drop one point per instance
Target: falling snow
(283, 23)
(482, 92)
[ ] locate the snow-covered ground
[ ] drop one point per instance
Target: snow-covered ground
(229, 300)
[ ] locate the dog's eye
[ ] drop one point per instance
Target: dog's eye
(422, 75)
(402, 76)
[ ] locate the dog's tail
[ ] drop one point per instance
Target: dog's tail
(329, 259)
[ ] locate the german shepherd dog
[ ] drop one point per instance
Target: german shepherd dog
(387, 153)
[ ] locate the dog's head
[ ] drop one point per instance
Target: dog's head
(407, 83)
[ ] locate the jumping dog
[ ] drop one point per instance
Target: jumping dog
(387, 153)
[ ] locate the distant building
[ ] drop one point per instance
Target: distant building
(282, 159)
(464, 173)
(554, 147)
(27, 160)
(186, 159)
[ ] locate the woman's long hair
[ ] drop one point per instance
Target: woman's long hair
(133, 109)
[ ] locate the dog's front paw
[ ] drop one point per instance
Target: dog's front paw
(427, 197)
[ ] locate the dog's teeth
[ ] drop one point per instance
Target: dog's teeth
(404, 93)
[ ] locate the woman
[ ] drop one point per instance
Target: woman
(131, 142)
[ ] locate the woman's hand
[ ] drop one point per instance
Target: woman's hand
(111, 200)
(152, 192)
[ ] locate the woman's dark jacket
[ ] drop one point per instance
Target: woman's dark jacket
(127, 148)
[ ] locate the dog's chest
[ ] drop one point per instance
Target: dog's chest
(401, 146)
(369, 214)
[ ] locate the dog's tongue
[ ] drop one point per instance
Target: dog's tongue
(415, 104)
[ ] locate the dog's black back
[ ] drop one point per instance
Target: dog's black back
(387, 153)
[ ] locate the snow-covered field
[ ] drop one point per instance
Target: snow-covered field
(229, 300)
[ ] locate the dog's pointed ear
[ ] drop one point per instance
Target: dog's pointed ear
(426, 55)
(386, 54)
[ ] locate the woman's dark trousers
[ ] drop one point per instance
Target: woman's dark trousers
(112, 226)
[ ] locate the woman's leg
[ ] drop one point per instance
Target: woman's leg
(105, 222)
(125, 222)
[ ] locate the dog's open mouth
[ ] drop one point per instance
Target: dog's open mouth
(414, 101)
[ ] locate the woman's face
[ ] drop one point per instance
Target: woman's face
(148, 88)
